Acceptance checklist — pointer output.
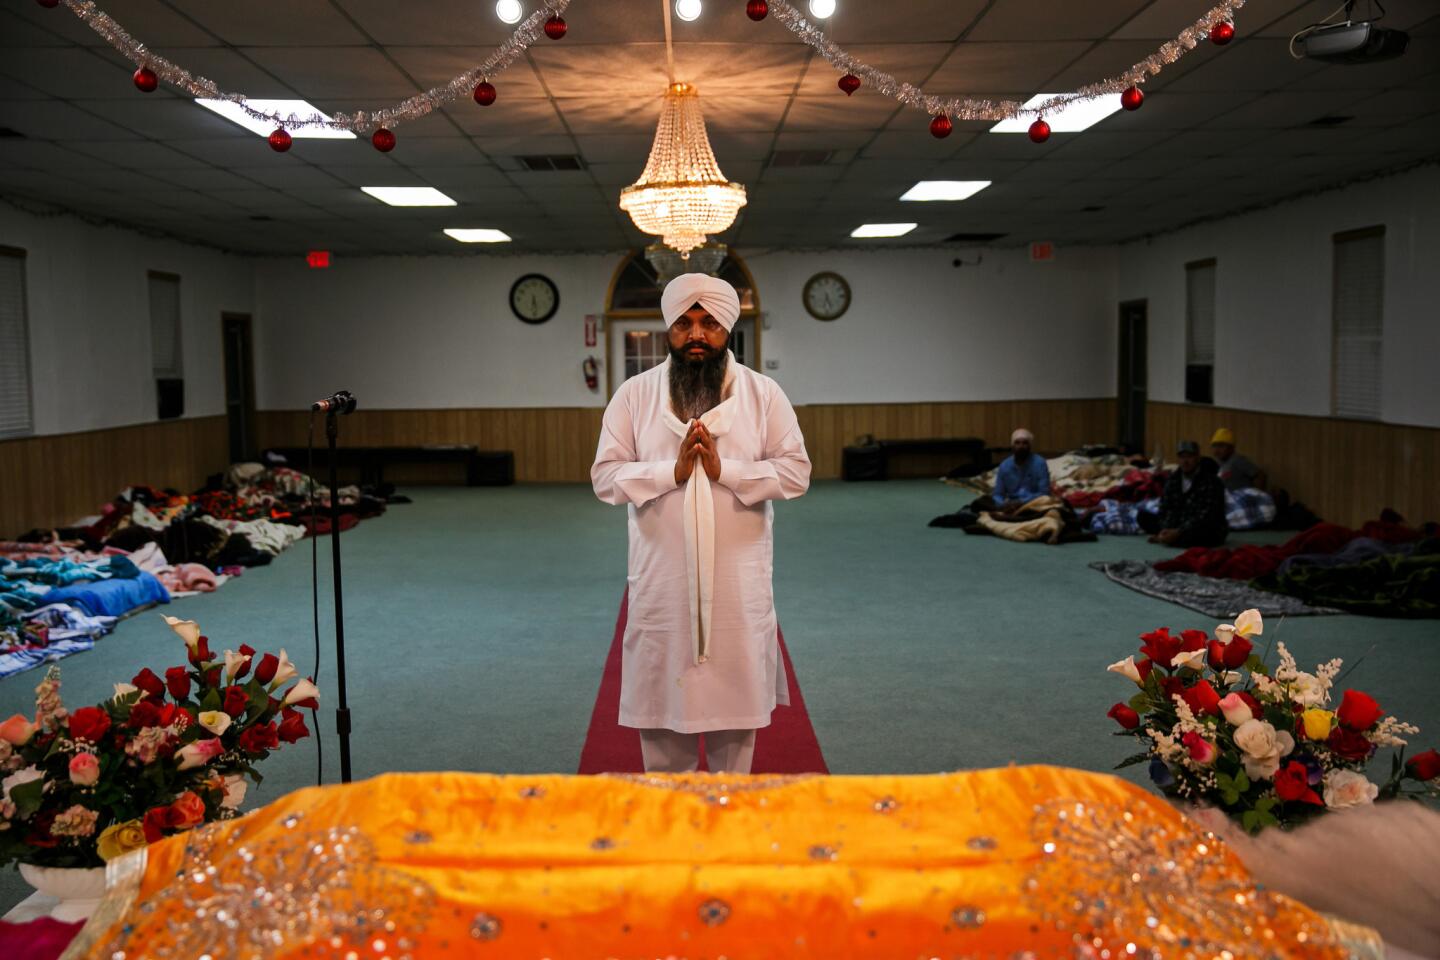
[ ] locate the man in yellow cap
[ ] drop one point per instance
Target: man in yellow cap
(1236, 471)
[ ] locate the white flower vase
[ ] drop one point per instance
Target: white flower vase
(79, 889)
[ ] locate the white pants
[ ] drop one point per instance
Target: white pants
(728, 751)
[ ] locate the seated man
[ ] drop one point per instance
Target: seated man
(1236, 470)
(1192, 508)
(1023, 476)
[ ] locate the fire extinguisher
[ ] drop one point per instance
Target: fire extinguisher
(592, 373)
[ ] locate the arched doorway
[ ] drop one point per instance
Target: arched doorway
(635, 331)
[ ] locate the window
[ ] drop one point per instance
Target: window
(15, 409)
(165, 344)
(1200, 331)
(1357, 311)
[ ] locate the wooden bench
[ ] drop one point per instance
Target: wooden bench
(883, 459)
(483, 468)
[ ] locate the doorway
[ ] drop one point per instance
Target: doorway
(239, 385)
(1132, 390)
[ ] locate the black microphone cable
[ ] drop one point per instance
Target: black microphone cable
(315, 595)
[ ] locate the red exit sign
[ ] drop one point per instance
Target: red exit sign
(1042, 250)
(318, 259)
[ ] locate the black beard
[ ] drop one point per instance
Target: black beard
(695, 383)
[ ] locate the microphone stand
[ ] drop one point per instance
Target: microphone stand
(342, 713)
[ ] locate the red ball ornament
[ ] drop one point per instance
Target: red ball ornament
(484, 93)
(1222, 33)
(849, 83)
(940, 127)
(383, 140)
(754, 9)
(145, 80)
(555, 27)
(1131, 98)
(279, 140)
(1039, 131)
(48, 4)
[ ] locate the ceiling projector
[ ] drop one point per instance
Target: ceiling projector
(1356, 41)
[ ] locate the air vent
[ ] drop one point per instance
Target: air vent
(1329, 120)
(548, 163)
(7, 134)
(800, 158)
(974, 237)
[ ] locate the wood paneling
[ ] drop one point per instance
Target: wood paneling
(1344, 470)
(52, 480)
(557, 445)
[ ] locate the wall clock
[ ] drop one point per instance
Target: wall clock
(826, 296)
(534, 298)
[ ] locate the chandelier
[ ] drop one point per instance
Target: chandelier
(682, 195)
(669, 264)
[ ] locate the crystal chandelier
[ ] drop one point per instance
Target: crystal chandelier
(669, 264)
(682, 195)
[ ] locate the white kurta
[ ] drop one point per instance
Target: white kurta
(734, 678)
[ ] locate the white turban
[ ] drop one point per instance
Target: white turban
(715, 295)
(1022, 434)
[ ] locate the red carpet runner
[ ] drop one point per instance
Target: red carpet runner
(788, 745)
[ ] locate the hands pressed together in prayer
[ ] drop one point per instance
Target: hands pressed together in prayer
(1167, 536)
(697, 445)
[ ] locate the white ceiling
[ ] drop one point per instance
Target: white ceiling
(1222, 130)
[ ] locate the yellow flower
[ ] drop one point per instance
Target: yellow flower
(1317, 723)
(120, 838)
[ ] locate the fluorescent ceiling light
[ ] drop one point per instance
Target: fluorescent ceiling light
(1079, 115)
(300, 109)
(820, 9)
(478, 235)
(945, 189)
(882, 230)
(409, 196)
(509, 11)
(687, 10)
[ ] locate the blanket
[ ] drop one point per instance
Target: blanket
(1218, 598)
(1046, 519)
(112, 598)
(1253, 561)
(1369, 577)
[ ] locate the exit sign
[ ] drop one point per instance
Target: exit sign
(1041, 250)
(318, 259)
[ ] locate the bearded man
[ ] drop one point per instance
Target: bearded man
(697, 448)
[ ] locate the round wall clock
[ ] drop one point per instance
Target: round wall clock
(826, 296)
(534, 298)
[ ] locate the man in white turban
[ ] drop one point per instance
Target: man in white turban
(1023, 475)
(696, 448)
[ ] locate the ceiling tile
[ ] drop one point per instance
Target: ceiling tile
(1030, 20)
(1004, 66)
(53, 120)
(319, 72)
(273, 23)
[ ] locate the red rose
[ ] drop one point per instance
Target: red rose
(1424, 766)
(292, 727)
(148, 682)
(177, 681)
(259, 738)
(1160, 646)
(1172, 687)
(1144, 667)
(265, 672)
(1293, 783)
(1252, 703)
(1191, 640)
(201, 652)
(249, 653)
(92, 723)
(1358, 711)
(157, 821)
(1202, 698)
(144, 714)
(187, 811)
(212, 676)
(1229, 656)
(236, 701)
(1120, 713)
(1350, 744)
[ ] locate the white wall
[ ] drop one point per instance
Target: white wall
(88, 306)
(438, 332)
(1273, 292)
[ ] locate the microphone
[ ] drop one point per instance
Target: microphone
(342, 401)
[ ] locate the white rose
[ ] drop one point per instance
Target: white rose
(1307, 690)
(235, 787)
(1194, 660)
(216, 721)
(1263, 747)
(1126, 668)
(19, 778)
(1346, 788)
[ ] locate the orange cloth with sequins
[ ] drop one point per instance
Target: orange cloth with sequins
(445, 865)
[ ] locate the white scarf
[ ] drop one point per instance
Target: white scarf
(700, 514)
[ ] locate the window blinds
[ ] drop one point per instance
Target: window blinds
(1200, 313)
(15, 411)
(165, 326)
(1358, 312)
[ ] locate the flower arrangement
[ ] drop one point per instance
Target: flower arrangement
(1267, 749)
(160, 756)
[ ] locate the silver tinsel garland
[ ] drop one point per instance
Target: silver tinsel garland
(533, 27)
(529, 30)
(969, 108)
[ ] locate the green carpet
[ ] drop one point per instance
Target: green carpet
(478, 621)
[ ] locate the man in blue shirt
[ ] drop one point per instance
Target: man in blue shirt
(1023, 476)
